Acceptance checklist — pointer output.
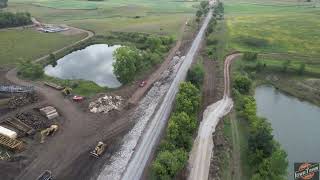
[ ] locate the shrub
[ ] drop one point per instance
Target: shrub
(196, 75)
(8, 19)
(242, 84)
(250, 56)
(30, 70)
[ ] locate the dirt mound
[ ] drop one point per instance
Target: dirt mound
(22, 100)
(34, 120)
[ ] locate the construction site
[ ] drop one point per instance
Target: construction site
(40, 122)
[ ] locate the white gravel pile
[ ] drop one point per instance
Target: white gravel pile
(142, 115)
(105, 104)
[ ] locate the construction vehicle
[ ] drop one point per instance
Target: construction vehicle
(48, 132)
(46, 175)
(67, 91)
(98, 150)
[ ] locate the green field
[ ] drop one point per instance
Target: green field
(18, 45)
(291, 29)
(151, 16)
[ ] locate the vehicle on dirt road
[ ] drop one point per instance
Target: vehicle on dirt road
(78, 98)
(98, 150)
(46, 175)
(142, 83)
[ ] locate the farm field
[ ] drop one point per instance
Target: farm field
(161, 17)
(29, 44)
(286, 28)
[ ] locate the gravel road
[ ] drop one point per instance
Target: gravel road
(199, 161)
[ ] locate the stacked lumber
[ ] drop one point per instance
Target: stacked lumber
(49, 112)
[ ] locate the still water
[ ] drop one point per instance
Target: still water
(295, 124)
(94, 63)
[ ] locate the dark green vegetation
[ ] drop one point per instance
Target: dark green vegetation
(130, 61)
(202, 11)
(196, 74)
(266, 158)
(173, 152)
(8, 19)
(3, 3)
(30, 70)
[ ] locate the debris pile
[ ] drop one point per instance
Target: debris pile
(22, 99)
(105, 104)
(33, 120)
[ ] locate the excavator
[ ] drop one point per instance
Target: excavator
(48, 132)
(98, 150)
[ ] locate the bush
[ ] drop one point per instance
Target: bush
(188, 99)
(196, 75)
(168, 163)
(8, 19)
(250, 56)
(242, 84)
(253, 42)
(30, 70)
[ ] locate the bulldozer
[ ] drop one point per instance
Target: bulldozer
(98, 150)
(48, 132)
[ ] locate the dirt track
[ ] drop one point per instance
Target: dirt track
(199, 161)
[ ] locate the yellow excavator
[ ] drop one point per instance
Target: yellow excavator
(67, 91)
(48, 132)
(98, 150)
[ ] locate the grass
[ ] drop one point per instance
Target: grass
(79, 87)
(285, 29)
(111, 15)
(17, 45)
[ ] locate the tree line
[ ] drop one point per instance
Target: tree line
(172, 154)
(267, 159)
(9, 19)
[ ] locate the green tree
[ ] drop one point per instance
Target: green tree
(199, 14)
(30, 70)
(180, 130)
(153, 42)
(188, 99)
(250, 56)
(260, 137)
(125, 66)
(196, 75)
(167, 164)
(302, 68)
(52, 60)
(285, 65)
(204, 4)
(242, 84)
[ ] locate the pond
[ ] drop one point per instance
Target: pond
(94, 63)
(295, 124)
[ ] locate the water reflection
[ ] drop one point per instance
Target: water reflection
(94, 63)
(295, 124)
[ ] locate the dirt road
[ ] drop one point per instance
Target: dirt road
(236, 166)
(199, 161)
